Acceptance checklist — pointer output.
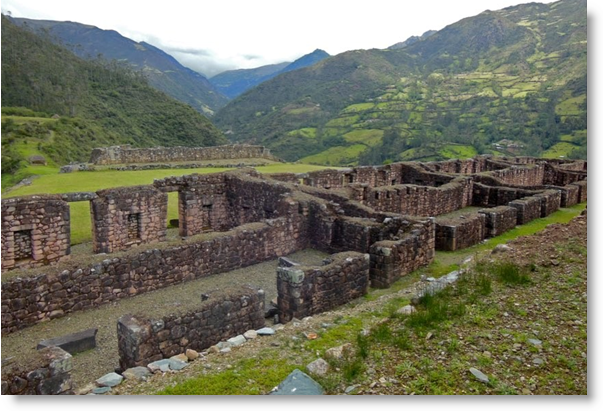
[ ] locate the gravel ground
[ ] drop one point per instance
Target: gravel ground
(93, 364)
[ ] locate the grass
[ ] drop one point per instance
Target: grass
(251, 376)
(336, 156)
(559, 150)
(51, 182)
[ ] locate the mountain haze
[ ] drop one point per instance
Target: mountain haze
(163, 71)
(511, 81)
(233, 83)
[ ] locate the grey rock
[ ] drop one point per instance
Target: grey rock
(406, 310)
(110, 380)
(251, 334)
(350, 389)
(225, 350)
(318, 367)
(166, 365)
(534, 341)
(137, 373)
(223, 344)
(265, 331)
(501, 248)
(236, 341)
(298, 383)
(73, 343)
(481, 377)
(538, 361)
(101, 390)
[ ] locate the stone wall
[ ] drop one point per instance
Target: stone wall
(550, 201)
(528, 209)
(531, 175)
(305, 291)
(421, 200)
(128, 154)
(127, 216)
(224, 315)
(47, 372)
(35, 231)
(460, 232)
(499, 220)
(27, 301)
(582, 193)
(392, 259)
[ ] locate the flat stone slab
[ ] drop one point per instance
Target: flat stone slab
(298, 383)
(73, 343)
(265, 331)
(481, 377)
(238, 340)
(110, 380)
(166, 365)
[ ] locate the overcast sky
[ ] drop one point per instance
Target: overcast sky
(213, 36)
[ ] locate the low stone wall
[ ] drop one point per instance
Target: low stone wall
(35, 231)
(27, 301)
(421, 200)
(521, 175)
(128, 154)
(550, 201)
(499, 220)
(528, 209)
(390, 260)
(569, 194)
(47, 372)
(142, 340)
(582, 194)
(127, 216)
(458, 233)
(305, 291)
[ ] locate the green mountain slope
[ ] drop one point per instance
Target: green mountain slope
(511, 81)
(162, 70)
(97, 104)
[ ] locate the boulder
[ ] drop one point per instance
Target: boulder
(298, 383)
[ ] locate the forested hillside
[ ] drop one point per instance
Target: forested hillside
(511, 81)
(162, 71)
(63, 106)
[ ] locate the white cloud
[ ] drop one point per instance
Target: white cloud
(225, 34)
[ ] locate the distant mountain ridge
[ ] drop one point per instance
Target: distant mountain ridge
(233, 83)
(411, 40)
(514, 74)
(162, 70)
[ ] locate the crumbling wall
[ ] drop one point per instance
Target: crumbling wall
(142, 340)
(35, 231)
(528, 209)
(460, 232)
(582, 190)
(390, 260)
(305, 291)
(529, 175)
(421, 200)
(29, 300)
(127, 154)
(499, 220)
(48, 372)
(127, 216)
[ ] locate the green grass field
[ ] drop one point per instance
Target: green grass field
(51, 182)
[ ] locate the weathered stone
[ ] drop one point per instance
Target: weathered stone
(481, 377)
(110, 380)
(101, 390)
(265, 331)
(191, 354)
(318, 367)
(250, 334)
(298, 383)
(236, 341)
(73, 343)
(340, 353)
(406, 310)
(136, 373)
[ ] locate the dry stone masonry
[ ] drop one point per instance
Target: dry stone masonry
(380, 223)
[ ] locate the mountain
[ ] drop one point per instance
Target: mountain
(516, 74)
(233, 83)
(61, 106)
(162, 70)
(411, 40)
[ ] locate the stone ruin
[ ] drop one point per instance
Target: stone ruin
(380, 223)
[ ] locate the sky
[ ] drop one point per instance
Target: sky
(214, 36)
